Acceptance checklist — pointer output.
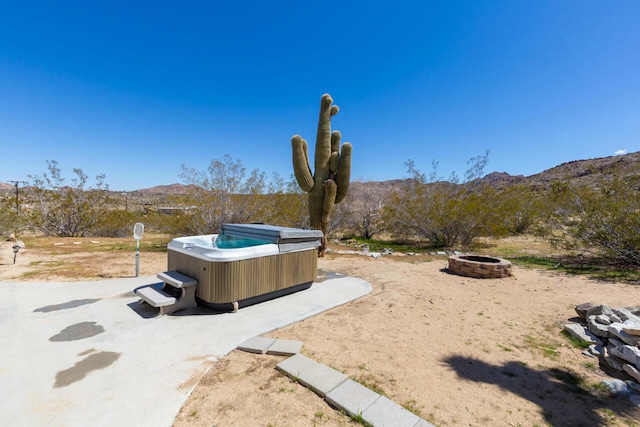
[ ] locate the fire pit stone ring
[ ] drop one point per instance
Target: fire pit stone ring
(478, 266)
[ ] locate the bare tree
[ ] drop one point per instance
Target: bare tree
(221, 194)
(366, 203)
(67, 210)
(444, 212)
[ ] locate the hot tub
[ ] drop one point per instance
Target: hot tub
(247, 263)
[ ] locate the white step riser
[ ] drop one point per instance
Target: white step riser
(155, 297)
(177, 280)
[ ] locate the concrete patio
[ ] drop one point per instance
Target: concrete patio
(86, 353)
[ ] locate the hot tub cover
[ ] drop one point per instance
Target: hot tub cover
(288, 239)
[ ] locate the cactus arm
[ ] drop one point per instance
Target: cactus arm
(301, 168)
(323, 138)
(305, 148)
(343, 174)
(333, 164)
(330, 189)
(335, 153)
(335, 141)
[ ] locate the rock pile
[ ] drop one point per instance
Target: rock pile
(613, 335)
(364, 250)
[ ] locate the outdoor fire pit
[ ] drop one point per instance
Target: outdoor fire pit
(482, 267)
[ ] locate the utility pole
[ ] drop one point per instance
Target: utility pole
(16, 184)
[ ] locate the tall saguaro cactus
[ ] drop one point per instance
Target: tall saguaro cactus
(329, 183)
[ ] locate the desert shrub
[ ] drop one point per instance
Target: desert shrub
(284, 203)
(10, 221)
(115, 223)
(518, 209)
(339, 219)
(365, 207)
(221, 194)
(66, 210)
(603, 220)
(164, 223)
(445, 213)
(286, 209)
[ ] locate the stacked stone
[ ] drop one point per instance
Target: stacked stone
(613, 335)
(465, 265)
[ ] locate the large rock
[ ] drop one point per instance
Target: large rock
(581, 334)
(627, 314)
(581, 309)
(596, 350)
(627, 352)
(617, 386)
(615, 318)
(598, 328)
(617, 330)
(614, 342)
(614, 363)
(599, 309)
(631, 328)
(632, 371)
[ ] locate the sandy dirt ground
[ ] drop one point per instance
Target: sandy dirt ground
(457, 351)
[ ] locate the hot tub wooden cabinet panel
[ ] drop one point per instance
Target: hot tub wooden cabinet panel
(247, 263)
(237, 281)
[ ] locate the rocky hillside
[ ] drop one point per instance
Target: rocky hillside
(592, 172)
(171, 189)
(581, 172)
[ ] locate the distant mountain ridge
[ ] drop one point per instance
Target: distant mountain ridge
(591, 172)
(170, 189)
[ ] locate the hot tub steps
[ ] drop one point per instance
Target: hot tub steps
(178, 292)
(177, 280)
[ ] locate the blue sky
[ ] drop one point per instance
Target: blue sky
(136, 89)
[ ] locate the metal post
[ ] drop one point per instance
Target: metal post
(137, 257)
(16, 248)
(138, 232)
(17, 184)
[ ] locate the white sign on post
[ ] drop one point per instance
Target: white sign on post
(138, 232)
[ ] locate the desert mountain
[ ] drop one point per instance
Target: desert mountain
(590, 172)
(580, 172)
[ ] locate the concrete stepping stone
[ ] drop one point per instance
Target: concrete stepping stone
(316, 376)
(346, 394)
(258, 345)
(285, 347)
(384, 412)
(351, 397)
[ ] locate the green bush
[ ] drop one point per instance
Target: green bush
(10, 221)
(115, 223)
(445, 213)
(66, 210)
(604, 221)
(518, 209)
